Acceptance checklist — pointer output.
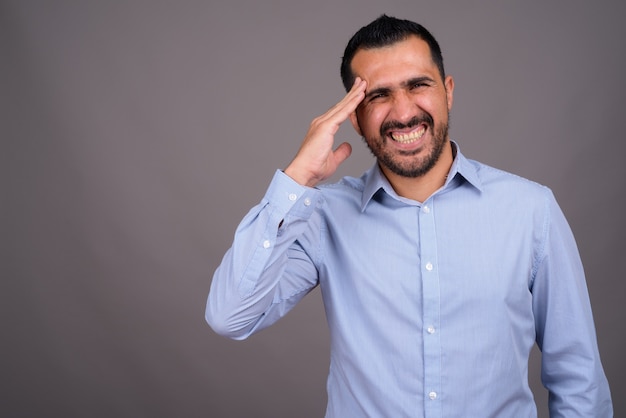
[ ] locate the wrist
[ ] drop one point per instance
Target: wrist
(300, 176)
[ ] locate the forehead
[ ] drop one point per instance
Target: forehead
(404, 59)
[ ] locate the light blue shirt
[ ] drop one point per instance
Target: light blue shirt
(432, 307)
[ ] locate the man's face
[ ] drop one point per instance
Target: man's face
(404, 116)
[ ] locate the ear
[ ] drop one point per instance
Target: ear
(355, 123)
(449, 84)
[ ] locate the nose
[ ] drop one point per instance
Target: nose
(402, 107)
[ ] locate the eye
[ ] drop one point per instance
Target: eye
(378, 96)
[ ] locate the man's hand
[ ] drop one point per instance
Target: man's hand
(316, 160)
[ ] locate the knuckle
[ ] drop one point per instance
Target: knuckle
(317, 122)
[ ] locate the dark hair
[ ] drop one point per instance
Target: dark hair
(386, 31)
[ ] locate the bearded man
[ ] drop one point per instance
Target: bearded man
(438, 273)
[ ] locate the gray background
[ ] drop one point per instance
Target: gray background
(135, 135)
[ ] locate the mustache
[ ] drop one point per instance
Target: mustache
(414, 121)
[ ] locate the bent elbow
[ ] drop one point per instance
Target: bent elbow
(224, 325)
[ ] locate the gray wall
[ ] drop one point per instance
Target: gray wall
(136, 134)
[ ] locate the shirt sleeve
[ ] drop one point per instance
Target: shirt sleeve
(571, 367)
(266, 271)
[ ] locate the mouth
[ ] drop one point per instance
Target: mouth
(408, 137)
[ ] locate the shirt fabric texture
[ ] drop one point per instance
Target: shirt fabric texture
(433, 307)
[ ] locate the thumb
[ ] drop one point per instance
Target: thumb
(342, 152)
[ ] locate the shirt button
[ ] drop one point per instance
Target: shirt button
(426, 209)
(293, 196)
(431, 330)
(307, 202)
(429, 266)
(266, 243)
(432, 395)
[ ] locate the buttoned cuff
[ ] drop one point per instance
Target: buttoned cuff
(287, 196)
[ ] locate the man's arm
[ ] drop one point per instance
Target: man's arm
(267, 270)
(571, 367)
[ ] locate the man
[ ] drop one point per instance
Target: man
(438, 273)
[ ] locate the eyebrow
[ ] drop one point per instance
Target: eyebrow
(417, 80)
(405, 84)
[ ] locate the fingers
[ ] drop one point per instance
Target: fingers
(352, 99)
(342, 110)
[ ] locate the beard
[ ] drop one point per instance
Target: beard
(400, 162)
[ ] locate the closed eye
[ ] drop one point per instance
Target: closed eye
(419, 82)
(377, 94)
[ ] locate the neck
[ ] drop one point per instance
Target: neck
(421, 188)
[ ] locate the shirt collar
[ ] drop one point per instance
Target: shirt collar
(461, 168)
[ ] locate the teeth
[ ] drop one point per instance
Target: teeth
(410, 137)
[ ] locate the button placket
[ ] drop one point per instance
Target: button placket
(431, 307)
